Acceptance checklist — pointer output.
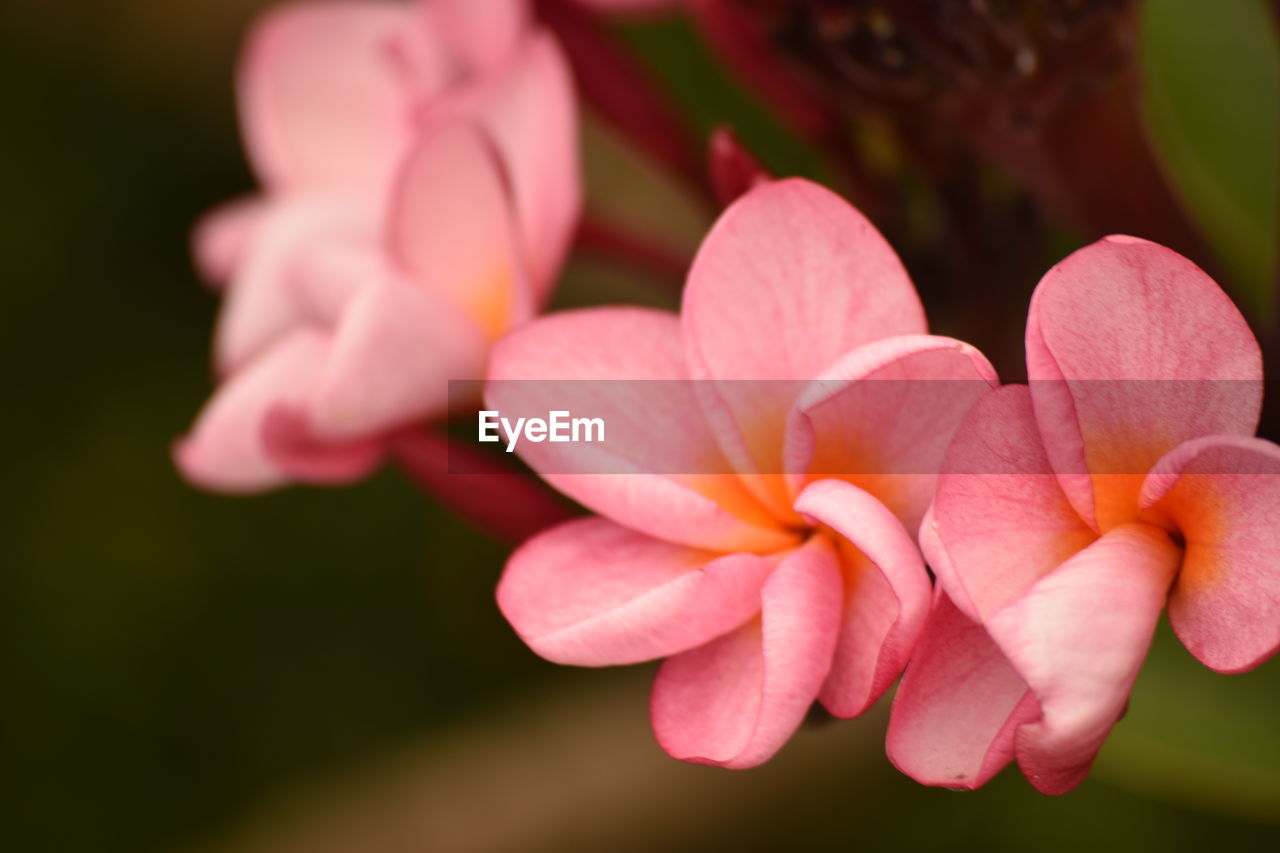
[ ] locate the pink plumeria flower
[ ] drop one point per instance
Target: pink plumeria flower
(1124, 480)
(764, 585)
(419, 166)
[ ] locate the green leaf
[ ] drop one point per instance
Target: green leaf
(1211, 100)
(1195, 737)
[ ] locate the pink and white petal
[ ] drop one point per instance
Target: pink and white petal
(322, 100)
(592, 593)
(790, 278)
(999, 520)
(262, 301)
(394, 353)
(1222, 494)
(531, 113)
(886, 594)
(659, 469)
(959, 704)
(1078, 637)
(292, 446)
(736, 700)
(221, 238)
(883, 417)
(1131, 350)
(483, 35)
(452, 225)
(224, 451)
(327, 277)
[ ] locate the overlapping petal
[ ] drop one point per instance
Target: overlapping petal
(224, 450)
(1131, 350)
(482, 34)
(222, 237)
(660, 470)
(885, 594)
(590, 592)
(292, 446)
(734, 701)
(959, 705)
(883, 416)
(999, 520)
(393, 354)
(265, 298)
(1222, 495)
(321, 101)
(531, 113)
(789, 279)
(452, 226)
(1080, 668)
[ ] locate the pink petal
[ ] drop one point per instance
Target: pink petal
(321, 99)
(591, 593)
(224, 451)
(222, 236)
(453, 227)
(532, 116)
(958, 706)
(393, 354)
(999, 520)
(328, 276)
(735, 701)
(660, 470)
(790, 278)
(482, 34)
(886, 594)
(293, 447)
(1125, 310)
(883, 416)
(262, 301)
(1223, 496)
(1078, 637)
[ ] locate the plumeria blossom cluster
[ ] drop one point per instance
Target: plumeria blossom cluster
(1062, 518)
(816, 497)
(420, 186)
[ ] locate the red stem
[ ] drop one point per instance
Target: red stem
(611, 241)
(484, 489)
(622, 91)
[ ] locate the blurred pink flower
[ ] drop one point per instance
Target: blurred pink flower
(765, 586)
(420, 187)
(1071, 513)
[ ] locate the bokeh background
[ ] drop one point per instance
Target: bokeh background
(324, 669)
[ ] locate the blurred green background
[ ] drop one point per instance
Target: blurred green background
(324, 670)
